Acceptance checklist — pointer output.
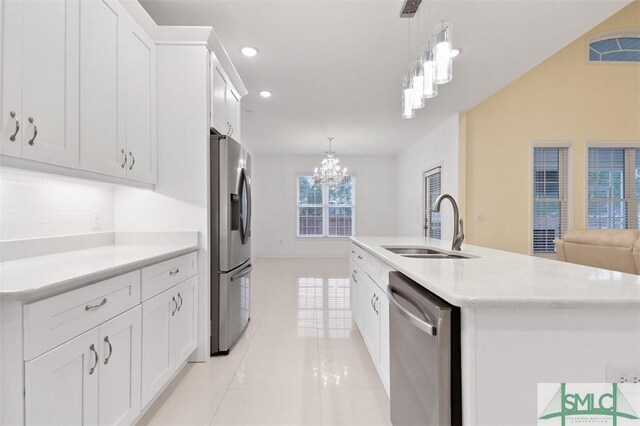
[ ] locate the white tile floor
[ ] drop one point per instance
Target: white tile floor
(301, 361)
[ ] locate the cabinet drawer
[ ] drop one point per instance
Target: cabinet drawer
(161, 276)
(364, 260)
(55, 320)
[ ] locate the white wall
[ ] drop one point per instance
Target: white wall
(274, 183)
(35, 205)
(437, 148)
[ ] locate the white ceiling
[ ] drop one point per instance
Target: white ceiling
(335, 66)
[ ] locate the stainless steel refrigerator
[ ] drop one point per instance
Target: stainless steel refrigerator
(230, 224)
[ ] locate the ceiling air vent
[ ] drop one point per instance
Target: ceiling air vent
(409, 8)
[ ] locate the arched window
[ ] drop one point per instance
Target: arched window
(618, 48)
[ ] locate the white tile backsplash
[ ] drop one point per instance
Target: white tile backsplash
(34, 205)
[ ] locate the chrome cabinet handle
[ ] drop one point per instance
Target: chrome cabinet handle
(12, 138)
(133, 160)
(175, 271)
(176, 307)
(92, 348)
(35, 130)
(180, 298)
(353, 252)
(99, 305)
(124, 162)
(359, 257)
(106, 340)
(430, 329)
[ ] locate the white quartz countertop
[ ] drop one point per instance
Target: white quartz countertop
(504, 279)
(40, 276)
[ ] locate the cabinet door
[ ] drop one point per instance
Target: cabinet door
(61, 386)
(219, 101)
(185, 320)
(11, 29)
(139, 100)
(372, 321)
(385, 366)
(158, 361)
(233, 113)
(102, 129)
(355, 295)
(119, 399)
(50, 59)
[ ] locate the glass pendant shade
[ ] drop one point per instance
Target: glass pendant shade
(407, 98)
(429, 69)
(417, 84)
(443, 45)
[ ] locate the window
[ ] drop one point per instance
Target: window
(613, 188)
(432, 190)
(550, 197)
(621, 48)
(324, 211)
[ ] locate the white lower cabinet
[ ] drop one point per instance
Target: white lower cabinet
(370, 309)
(169, 335)
(92, 379)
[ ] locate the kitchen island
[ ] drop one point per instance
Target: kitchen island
(524, 320)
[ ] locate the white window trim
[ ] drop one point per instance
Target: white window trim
(607, 35)
(325, 210)
(599, 144)
(550, 144)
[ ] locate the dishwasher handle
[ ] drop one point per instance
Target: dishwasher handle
(430, 329)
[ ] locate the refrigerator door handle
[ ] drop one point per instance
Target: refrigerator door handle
(242, 273)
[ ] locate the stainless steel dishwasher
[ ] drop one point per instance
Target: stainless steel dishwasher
(425, 356)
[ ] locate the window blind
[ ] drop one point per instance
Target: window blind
(432, 190)
(550, 197)
(613, 188)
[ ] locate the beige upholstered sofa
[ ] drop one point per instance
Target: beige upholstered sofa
(614, 249)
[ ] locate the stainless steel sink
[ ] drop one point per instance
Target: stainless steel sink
(426, 253)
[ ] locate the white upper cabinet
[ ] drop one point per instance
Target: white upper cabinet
(40, 80)
(225, 103)
(101, 116)
(218, 101)
(139, 100)
(117, 94)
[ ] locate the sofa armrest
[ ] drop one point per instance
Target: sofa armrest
(560, 253)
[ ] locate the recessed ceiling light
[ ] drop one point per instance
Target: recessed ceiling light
(249, 51)
(265, 93)
(455, 52)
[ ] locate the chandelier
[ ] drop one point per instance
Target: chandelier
(330, 173)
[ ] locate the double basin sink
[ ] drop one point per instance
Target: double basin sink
(426, 253)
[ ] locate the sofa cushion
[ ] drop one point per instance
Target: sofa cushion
(624, 238)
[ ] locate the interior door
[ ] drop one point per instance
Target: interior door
(61, 386)
(102, 117)
(120, 368)
(50, 86)
(139, 94)
(185, 320)
(157, 355)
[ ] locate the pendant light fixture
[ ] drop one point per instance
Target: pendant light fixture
(407, 98)
(417, 85)
(442, 52)
(429, 70)
(330, 173)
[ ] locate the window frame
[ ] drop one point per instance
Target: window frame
(610, 145)
(560, 144)
(632, 33)
(431, 171)
(325, 209)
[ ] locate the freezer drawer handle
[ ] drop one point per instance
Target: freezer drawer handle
(414, 320)
(242, 273)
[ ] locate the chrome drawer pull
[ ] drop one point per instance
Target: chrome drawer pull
(12, 138)
(359, 257)
(92, 348)
(175, 271)
(35, 130)
(92, 307)
(106, 340)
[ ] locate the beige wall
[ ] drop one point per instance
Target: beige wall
(563, 99)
